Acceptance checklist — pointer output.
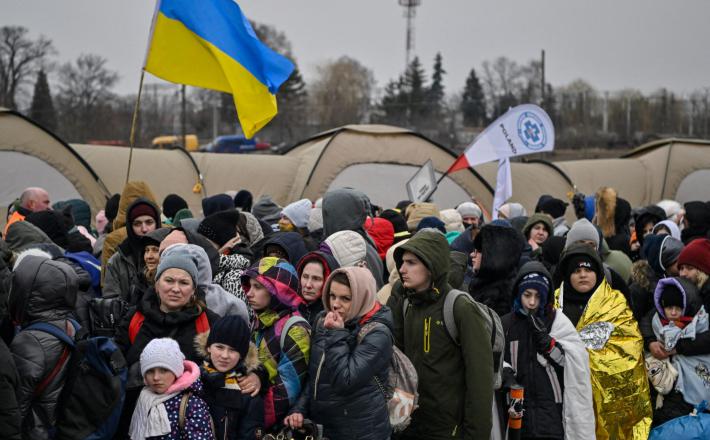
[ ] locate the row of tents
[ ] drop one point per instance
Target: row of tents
(377, 159)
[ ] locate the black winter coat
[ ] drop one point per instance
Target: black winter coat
(342, 393)
(543, 415)
(158, 324)
(9, 411)
(43, 291)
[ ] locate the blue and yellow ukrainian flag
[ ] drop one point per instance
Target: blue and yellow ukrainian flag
(210, 44)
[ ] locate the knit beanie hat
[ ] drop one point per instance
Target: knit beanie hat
(417, 211)
(469, 209)
(172, 204)
(670, 251)
(672, 296)
(512, 210)
(243, 200)
(538, 282)
(216, 203)
(580, 260)
(142, 208)
(696, 254)
(183, 214)
(231, 330)
(401, 232)
(433, 223)
(111, 207)
(220, 227)
(402, 206)
(452, 219)
(298, 212)
(582, 229)
(253, 229)
(155, 237)
(541, 201)
(554, 207)
(162, 353)
(315, 218)
(178, 261)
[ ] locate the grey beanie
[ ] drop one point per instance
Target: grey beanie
(178, 261)
(469, 209)
(162, 353)
(670, 251)
(582, 229)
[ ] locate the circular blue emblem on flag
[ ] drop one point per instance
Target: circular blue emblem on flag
(532, 131)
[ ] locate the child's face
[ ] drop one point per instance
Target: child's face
(530, 299)
(159, 379)
(673, 313)
(224, 358)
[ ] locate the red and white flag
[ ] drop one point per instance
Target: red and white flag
(524, 129)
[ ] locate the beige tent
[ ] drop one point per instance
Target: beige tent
(377, 159)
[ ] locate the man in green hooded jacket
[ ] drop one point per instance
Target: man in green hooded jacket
(455, 381)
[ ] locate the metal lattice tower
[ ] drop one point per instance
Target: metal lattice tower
(409, 13)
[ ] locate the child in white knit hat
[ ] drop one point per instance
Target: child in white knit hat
(169, 407)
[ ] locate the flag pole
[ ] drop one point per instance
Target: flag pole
(134, 122)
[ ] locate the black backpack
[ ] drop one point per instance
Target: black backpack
(105, 314)
(90, 404)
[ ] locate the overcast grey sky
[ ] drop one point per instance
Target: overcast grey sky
(613, 44)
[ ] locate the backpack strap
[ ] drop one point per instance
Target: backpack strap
(182, 413)
(63, 358)
(135, 326)
(295, 319)
(202, 324)
(183, 409)
(449, 320)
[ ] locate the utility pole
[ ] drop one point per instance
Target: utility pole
(605, 115)
(542, 85)
(409, 13)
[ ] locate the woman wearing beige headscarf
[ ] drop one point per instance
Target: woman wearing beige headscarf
(351, 349)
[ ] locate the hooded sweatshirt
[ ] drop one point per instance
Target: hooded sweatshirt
(342, 392)
(347, 209)
(217, 299)
(455, 381)
(502, 247)
(284, 368)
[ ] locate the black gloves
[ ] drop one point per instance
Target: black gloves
(213, 380)
(541, 335)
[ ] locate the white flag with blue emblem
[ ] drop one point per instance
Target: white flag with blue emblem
(504, 185)
(524, 129)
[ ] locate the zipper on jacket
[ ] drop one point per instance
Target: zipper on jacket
(427, 332)
(456, 427)
(320, 365)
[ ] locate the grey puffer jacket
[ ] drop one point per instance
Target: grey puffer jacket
(120, 275)
(342, 393)
(43, 290)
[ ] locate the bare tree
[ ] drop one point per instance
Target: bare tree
(20, 58)
(85, 94)
(341, 93)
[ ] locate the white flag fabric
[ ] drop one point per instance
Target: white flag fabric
(524, 129)
(504, 185)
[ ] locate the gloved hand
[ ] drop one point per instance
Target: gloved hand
(508, 377)
(541, 336)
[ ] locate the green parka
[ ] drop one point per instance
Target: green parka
(455, 382)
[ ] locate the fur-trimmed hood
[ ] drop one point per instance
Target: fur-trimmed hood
(251, 362)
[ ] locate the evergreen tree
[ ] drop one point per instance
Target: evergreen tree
(393, 107)
(42, 109)
(473, 102)
(415, 90)
(436, 90)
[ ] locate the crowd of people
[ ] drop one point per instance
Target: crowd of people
(249, 319)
